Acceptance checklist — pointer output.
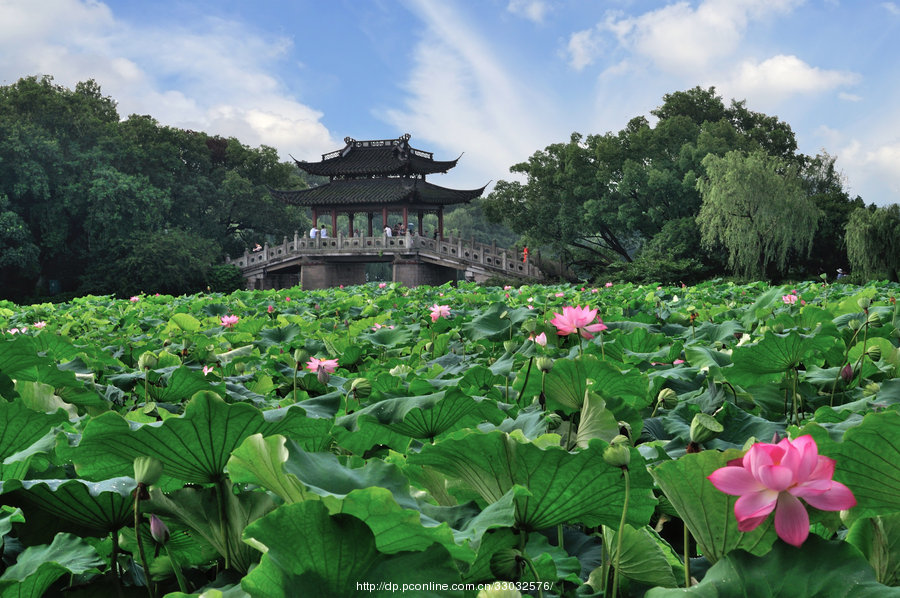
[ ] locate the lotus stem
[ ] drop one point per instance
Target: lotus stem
(527, 374)
(114, 557)
(220, 498)
(615, 586)
(176, 567)
(536, 577)
(687, 555)
(140, 542)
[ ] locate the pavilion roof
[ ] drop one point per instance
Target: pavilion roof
(376, 157)
(379, 191)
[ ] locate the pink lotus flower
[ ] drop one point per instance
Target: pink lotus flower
(560, 295)
(507, 287)
(609, 284)
(229, 321)
(207, 369)
(13, 331)
(773, 477)
(40, 324)
(540, 339)
(270, 309)
(439, 311)
(595, 290)
(789, 299)
(326, 365)
(577, 319)
(382, 285)
(135, 299)
(287, 299)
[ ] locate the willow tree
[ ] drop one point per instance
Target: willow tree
(754, 206)
(873, 242)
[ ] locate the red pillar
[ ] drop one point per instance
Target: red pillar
(441, 223)
(350, 223)
(384, 221)
(370, 215)
(405, 218)
(333, 222)
(420, 229)
(315, 217)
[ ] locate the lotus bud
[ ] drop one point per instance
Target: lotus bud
(147, 361)
(301, 356)
(158, 530)
(873, 320)
(322, 376)
(545, 364)
(704, 428)
(667, 397)
(617, 454)
(874, 352)
(147, 470)
(510, 346)
(847, 373)
(508, 564)
(554, 420)
(864, 303)
(361, 387)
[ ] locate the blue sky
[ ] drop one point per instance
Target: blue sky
(493, 79)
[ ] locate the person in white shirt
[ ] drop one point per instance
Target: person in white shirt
(388, 232)
(313, 232)
(323, 232)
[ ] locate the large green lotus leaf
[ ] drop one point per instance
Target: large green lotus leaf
(708, 512)
(37, 567)
(185, 322)
(723, 332)
(24, 433)
(818, 568)
(336, 554)
(878, 538)
(369, 436)
(760, 309)
(641, 341)
(868, 462)
(398, 529)
(41, 397)
(646, 558)
(389, 337)
(777, 353)
(260, 461)
(596, 421)
(426, 416)
(565, 487)
(183, 384)
(8, 516)
(99, 506)
(202, 510)
(887, 348)
(192, 448)
(567, 381)
(279, 336)
(493, 323)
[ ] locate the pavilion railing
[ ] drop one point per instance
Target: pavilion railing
(466, 252)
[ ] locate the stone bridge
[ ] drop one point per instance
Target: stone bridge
(323, 263)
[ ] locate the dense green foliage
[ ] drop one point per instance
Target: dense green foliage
(601, 200)
(89, 203)
(301, 443)
(873, 242)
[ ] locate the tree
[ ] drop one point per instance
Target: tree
(873, 242)
(755, 206)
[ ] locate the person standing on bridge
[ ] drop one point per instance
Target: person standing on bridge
(313, 232)
(387, 231)
(323, 232)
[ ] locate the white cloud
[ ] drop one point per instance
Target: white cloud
(679, 38)
(891, 7)
(849, 97)
(874, 169)
(533, 10)
(783, 76)
(583, 48)
(460, 97)
(210, 76)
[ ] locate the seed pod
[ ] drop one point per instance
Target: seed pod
(301, 356)
(854, 324)
(147, 361)
(545, 364)
(864, 303)
(510, 346)
(874, 352)
(507, 564)
(873, 320)
(667, 397)
(554, 420)
(778, 328)
(147, 470)
(361, 388)
(704, 428)
(617, 454)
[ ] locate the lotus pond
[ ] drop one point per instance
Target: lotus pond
(380, 440)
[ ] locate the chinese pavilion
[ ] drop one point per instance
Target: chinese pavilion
(385, 177)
